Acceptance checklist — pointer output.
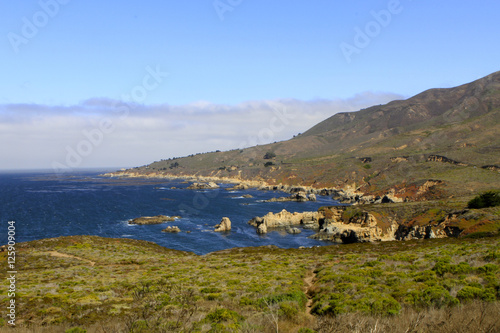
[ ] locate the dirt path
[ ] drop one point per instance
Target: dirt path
(64, 255)
(308, 284)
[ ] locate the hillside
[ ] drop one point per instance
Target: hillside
(124, 285)
(450, 135)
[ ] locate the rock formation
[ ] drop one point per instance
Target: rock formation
(203, 186)
(298, 197)
(224, 225)
(153, 219)
(172, 229)
(444, 159)
(362, 227)
(285, 219)
(293, 231)
(241, 186)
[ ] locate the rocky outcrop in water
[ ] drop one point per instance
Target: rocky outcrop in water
(153, 219)
(297, 197)
(172, 229)
(224, 225)
(203, 186)
(286, 219)
(293, 231)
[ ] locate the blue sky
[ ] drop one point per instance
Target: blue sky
(59, 54)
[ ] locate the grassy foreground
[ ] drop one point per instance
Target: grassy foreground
(122, 285)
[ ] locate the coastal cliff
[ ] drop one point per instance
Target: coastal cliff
(374, 223)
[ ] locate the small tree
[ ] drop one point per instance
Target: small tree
(487, 199)
(269, 155)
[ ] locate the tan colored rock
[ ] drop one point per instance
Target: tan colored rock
(262, 229)
(285, 219)
(362, 227)
(172, 229)
(293, 231)
(203, 186)
(153, 219)
(298, 197)
(224, 225)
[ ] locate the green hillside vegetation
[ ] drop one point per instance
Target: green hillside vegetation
(459, 125)
(123, 285)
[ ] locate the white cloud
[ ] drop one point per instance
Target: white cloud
(102, 134)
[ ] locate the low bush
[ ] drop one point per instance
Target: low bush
(224, 320)
(485, 200)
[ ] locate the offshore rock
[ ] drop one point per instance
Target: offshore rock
(285, 219)
(224, 225)
(297, 197)
(172, 229)
(153, 219)
(293, 231)
(203, 186)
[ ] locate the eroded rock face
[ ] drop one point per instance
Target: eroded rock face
(420, 232)
(241, 186)
(224, 225)
(293, 231)
(285, 219)
(362, 227)
(298, 197)
(203, 186)
(153, 219)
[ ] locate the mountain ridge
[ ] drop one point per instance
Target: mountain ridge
(359, 149)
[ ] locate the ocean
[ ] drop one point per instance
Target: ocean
(45, 205)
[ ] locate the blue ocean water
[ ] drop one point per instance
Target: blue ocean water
(46, 205)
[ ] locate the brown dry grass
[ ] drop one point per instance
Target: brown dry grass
(477, 317)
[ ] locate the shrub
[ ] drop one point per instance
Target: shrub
(224, 315)
(488, 269)
(386, 306)
(443, 266)
(289, 310)
(210, 290)
(487, 199)
(435, 296)
(336, 305)
(268, 164)
(297, 296)
(223, 320)
(212, 296)
(269, 155)
(246, 301)
(469, 293)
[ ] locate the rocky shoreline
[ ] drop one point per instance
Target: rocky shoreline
(357, 224)
(362, 218)
(346, 195)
